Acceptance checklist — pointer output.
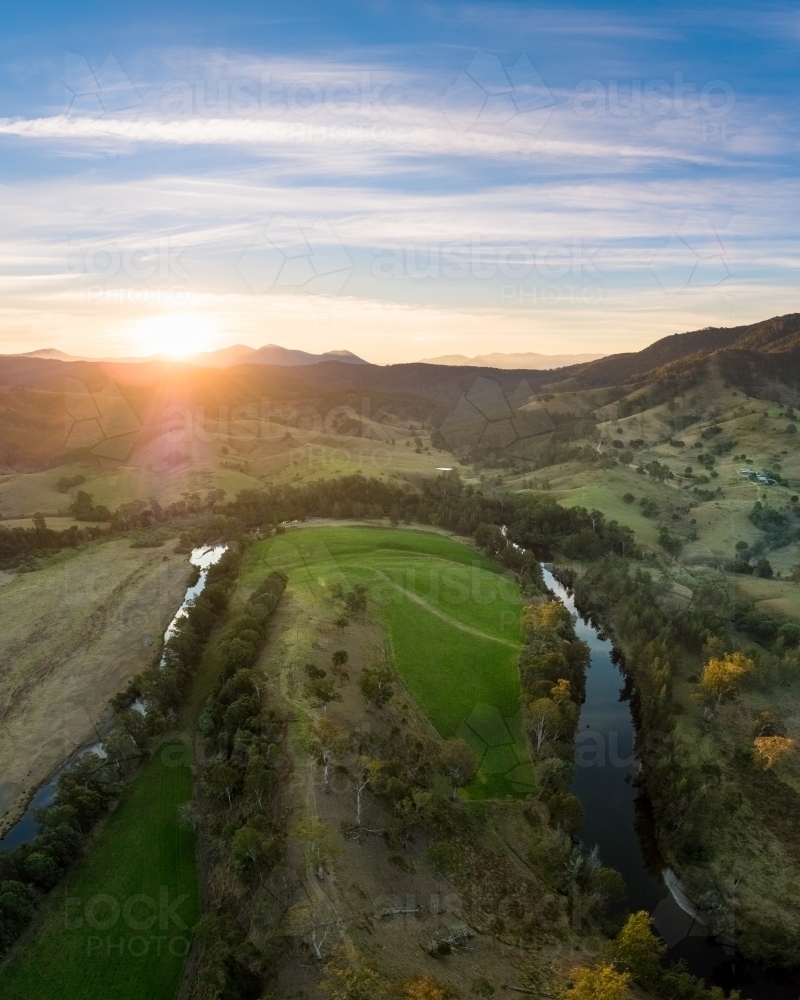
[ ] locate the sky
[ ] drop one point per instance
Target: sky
(400, 180)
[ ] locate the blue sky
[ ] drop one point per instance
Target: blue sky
(401, 180)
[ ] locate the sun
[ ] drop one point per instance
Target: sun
(176, 334)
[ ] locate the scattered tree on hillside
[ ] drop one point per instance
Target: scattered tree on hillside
(376, 685)
(545, 720)
(637, 950)
(348, 979)
(768, 751)
(459, 761)
(328, 743)
(600, 983)
(723, 676)
(320, 845)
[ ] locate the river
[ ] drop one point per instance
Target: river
(26, 828)
(618, 820)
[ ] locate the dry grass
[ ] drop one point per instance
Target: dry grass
(71, 635)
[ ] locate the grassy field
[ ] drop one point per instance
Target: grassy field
(120, 927)
(71, 636)
(452, 621)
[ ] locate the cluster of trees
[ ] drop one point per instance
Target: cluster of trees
(552, 671)
(19, 547)
(774, 523)
(89, 786)
(690, 793)
(532, 520)
(243, 768)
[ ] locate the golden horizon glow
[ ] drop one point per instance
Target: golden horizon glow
(178, 335)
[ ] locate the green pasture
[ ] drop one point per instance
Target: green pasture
(451, 618)
(120, 926)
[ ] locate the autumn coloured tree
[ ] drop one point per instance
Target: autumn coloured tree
(545, 619)
(637, 950)
(425, 988)
(600, 983)
(723, 677)
(768, 751)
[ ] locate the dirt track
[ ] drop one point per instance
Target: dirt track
(70, 637)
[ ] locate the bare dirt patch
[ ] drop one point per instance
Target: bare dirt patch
(71, 635)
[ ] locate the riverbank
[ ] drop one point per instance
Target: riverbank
(649, 800)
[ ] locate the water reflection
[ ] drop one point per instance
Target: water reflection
(618, 818)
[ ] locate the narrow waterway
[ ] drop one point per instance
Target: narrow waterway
(618, 821)
(26, 828)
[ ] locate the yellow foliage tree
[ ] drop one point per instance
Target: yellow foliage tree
(425, 988)
(637, 949)
(723, 676)
(561, 692)
(771, 750)
(600, 983)
(352, 980)
(545, 619)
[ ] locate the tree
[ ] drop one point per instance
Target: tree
(251, 851)
(768, 751)
(366, 769)
(794, 573)
(321, 847)
(460, 761)
(545, 619)
(723, 676)
(637, 950)
(354, 981)
(322, 691)
(561, 692)
(376, 685)
(328, 743)
(599, 983)
(258, 778)
(764, 568)
(567, 812)
(545, 720)
(425, 988)
(221, 781)
(339, 658)
(17, 907)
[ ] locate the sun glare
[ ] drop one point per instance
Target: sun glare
(176, 335)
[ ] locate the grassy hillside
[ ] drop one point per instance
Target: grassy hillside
(452, 621)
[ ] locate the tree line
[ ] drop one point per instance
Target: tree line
(94, 780)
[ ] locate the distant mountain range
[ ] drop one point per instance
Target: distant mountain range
(226, 357)
(762, 359)
(528, 361)
(272, 354)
